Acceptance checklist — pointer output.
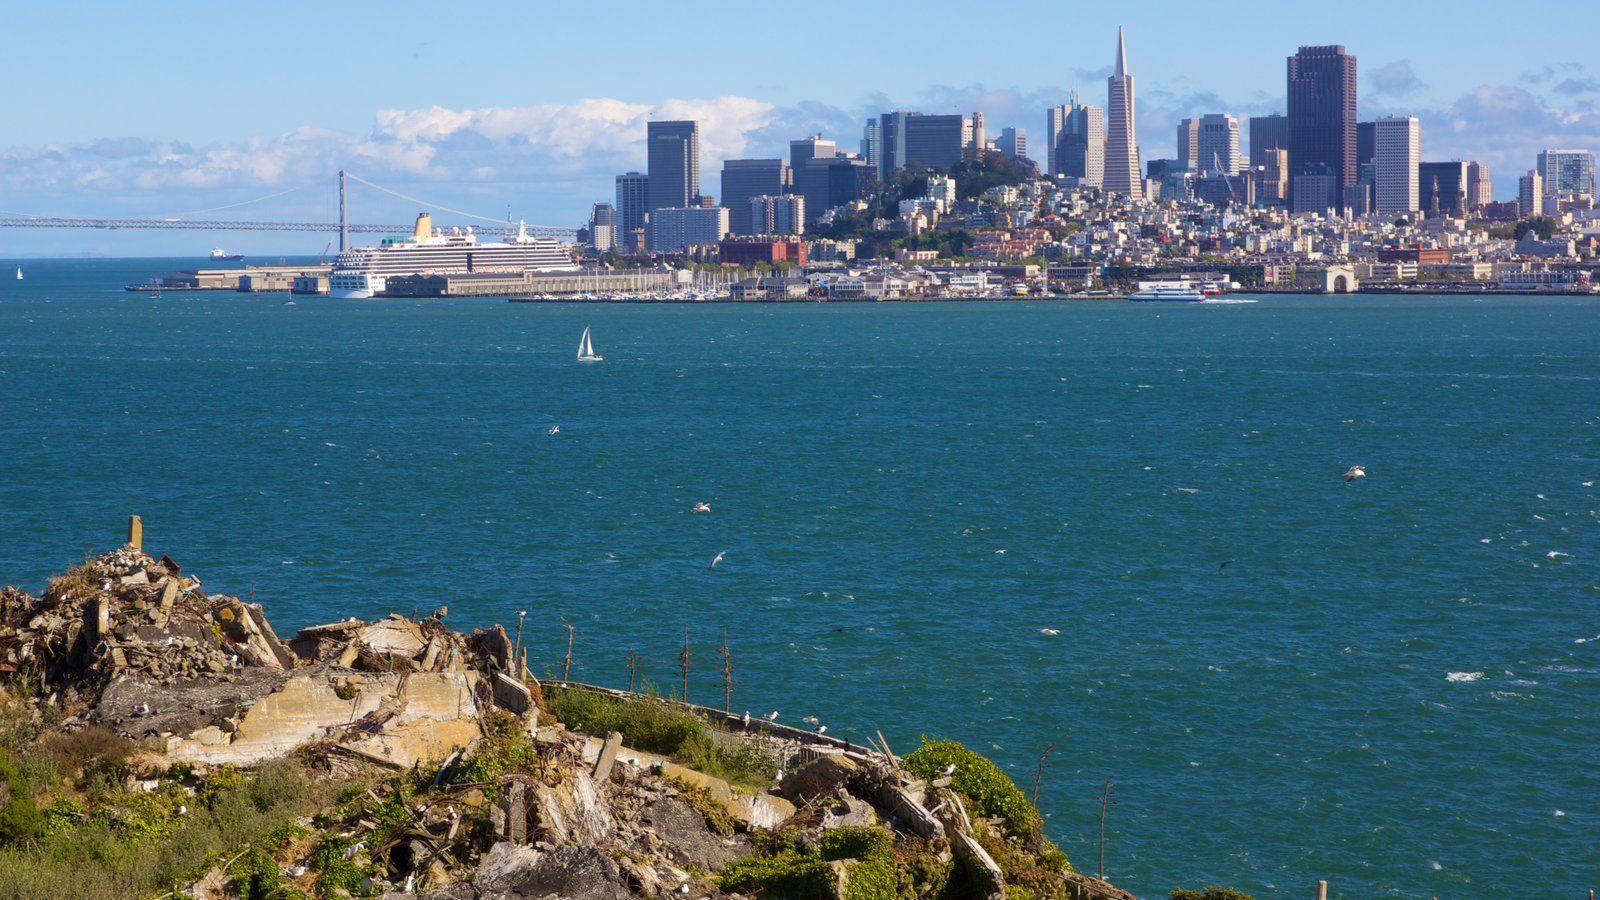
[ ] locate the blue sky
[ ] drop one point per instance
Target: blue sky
(133, 108)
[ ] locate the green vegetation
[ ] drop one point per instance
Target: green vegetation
(980, 780)
(1543, 226)
(1210, 892)
(74, 824)
(702, 801)
(787, 870)
(505, 748)
(652, 724)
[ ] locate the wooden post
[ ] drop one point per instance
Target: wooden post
(135, 533)
(633, 668)
(566, 663)
(1322, 890)
(727, 674)
(683, 667)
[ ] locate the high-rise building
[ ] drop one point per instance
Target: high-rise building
(1480, 192)
(633, 206)
(1080, 150)
(1055, 120)
(1189, 144)
(780, 214)
(809, 148)
(1122, 145)
(1567, 172)
(746, 178)
(1013, 143)
(1272, 176)
(1366, 144)
(872, 144)
(603, 227)
(672, 229)
(935, 142)
(1217, 144)
(1442, 188)
(834, 181)
(1322, 126)
(674, 163)
(931, 142)
(1397, 152)
(1267, 133)
(1530, 194)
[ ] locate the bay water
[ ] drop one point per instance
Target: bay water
(1392, 684)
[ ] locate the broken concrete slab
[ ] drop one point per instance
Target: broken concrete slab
(753, 810)
(608, 757)
(511, 694)
(426, 717)
(573, 812)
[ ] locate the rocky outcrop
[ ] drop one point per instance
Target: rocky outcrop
(134, 644)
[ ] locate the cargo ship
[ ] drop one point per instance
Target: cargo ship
(360, 272)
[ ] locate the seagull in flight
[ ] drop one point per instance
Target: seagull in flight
(702, 507)
(555, 430)
(716, 559)
(1052, 632)
(1354, 473)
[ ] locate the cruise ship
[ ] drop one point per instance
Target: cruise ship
(360, 272)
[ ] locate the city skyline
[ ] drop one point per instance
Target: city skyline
(550, 162)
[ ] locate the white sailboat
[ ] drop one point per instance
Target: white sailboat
(586, 348)
(19, 273)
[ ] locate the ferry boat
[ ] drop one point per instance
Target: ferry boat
(220, 255)
(1178, 291)
(360, 272)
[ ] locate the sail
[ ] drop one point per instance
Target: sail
(584, 348)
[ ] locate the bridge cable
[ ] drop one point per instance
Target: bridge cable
(418, 200)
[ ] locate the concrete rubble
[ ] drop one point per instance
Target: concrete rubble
(138, 646)
(478, 799)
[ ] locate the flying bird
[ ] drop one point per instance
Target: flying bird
(811, 720)
(999, 553)
(702, 507)
(1052, 632)
(716, 559)
(1354, 473)
(555, 430)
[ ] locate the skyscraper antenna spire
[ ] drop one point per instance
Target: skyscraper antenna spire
(1122, 54)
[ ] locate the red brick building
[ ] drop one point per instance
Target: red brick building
(773, 251)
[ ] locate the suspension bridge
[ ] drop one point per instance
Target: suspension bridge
(342, 227)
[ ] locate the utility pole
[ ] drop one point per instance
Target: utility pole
(633, 668)
(343, 229)
(727, 673)
(1106, 795)
(683, 666)
(566, 663)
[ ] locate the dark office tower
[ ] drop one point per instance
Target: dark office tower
(1366, 144)
(931, 142)
(830, 181)
(807, 149)
(633, 202)
(1443, 187)
(674, 155)
(1322, 127)
(1267, 133)
(746, 178)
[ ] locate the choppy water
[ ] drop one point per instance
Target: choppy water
(1393, 684)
